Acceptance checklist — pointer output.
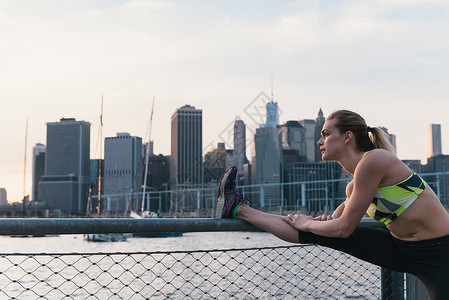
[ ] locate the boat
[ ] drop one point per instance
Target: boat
(157, 234)
(107, 237)
(151, 215)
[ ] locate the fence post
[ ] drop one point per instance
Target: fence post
(438, 186)
(148, 202)
(415, 288)
(262, 196)
(392, 284)
(160, 201)
(303, 194)
(198, 199)
(282, 194)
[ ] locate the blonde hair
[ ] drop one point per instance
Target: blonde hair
(367, 138)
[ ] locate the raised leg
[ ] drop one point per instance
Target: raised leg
(268, 222)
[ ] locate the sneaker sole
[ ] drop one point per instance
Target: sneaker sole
(220, 203)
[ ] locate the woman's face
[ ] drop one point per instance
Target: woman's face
(331, 142)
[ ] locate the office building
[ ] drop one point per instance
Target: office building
(239, 152)
(433, 140)
(439, 183)
(38, 169)
(267, 158)
(272, 115)
(186, 161)
(215, 163)
(3, 196)
(65, 185)
(320, 196)
(293, 136)
(309, 126)
(123, 172)
(158, 172)
(319, 123)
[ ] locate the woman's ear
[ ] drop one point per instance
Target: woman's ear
(348, 136)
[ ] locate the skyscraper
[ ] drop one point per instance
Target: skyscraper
(240, 145)
(309, 125)
(3, 196)
(65, 185)
(433, 140)
(38, 169)
(293, 136)
(122, 170)
(272, 115)
(266, 162)
(319, 123)
(186, 162)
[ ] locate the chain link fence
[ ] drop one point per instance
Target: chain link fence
(296, 272)
(275, 272)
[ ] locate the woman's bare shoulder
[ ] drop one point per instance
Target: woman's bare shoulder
(387, 165)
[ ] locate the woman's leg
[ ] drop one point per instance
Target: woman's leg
(373, 245)
(268, 222)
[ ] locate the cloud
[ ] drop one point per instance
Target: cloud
(398, 3)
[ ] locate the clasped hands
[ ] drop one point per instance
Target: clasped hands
(300, 221)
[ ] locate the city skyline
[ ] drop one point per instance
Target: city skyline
(387, 60)
(221, 138)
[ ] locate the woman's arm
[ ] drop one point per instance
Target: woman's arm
(338, 212)
(367, 178)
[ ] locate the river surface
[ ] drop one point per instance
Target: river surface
(188, 242)
(201, 265)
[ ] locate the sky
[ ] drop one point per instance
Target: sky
(385, 59)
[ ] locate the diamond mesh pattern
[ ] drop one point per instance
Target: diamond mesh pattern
(296, 272)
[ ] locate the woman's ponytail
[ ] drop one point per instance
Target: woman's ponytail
(381, 140)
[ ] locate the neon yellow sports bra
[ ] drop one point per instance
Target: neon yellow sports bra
(391, 201)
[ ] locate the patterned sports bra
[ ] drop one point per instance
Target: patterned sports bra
(391, 201)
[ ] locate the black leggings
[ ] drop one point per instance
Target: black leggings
(428, 260)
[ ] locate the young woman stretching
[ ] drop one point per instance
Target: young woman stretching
(417, 239)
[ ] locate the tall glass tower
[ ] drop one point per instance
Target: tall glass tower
(65, 185)
(240, 145)
(319, 123)
(186, 161)
(266, 162)
(433, 140)
(272, 115)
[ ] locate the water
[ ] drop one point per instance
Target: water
(301, 273)
(188, 242)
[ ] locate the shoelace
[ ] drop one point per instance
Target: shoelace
(244, 199)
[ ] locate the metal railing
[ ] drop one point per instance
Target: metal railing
(284, 272)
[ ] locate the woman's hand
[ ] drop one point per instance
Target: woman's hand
(323, 217)
(298, 221)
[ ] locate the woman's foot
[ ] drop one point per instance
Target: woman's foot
(228, 199)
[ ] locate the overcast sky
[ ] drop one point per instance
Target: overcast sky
(386, 59)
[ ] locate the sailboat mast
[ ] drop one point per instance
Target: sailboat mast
(99, 160)
(147, 154)
(25, 161)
